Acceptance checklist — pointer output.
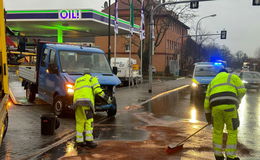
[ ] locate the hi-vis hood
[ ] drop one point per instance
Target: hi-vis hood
(103, 78)
(202, 80)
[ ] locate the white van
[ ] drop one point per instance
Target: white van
(122, 63)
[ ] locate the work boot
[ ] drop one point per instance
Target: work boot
(237, 158)
(90, 144)
(219, 157)
(81, 144)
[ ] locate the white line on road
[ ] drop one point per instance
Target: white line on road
(164, 94)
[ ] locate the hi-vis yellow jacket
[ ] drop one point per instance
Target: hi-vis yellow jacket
(225, 88)
(85, 89)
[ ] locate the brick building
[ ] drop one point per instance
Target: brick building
(166, 53)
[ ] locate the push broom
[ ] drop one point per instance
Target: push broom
(178, 147)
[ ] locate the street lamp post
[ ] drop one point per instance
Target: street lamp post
(109, 32)
(151, 52)
(196, 38)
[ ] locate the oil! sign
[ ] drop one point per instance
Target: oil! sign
(69, 14)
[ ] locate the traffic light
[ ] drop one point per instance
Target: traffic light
(194, 5)
(256, 2)
(223, 34)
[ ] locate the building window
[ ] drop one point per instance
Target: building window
(127, 48)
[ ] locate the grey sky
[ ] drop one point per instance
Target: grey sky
(238, 17)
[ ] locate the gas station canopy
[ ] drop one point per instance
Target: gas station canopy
(64, 23)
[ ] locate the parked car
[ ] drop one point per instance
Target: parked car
(251, 79)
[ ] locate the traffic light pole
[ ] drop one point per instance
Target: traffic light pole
(152, 36)
(109, 33)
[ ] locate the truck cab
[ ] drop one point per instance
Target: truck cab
(57, 68)
(203, 73)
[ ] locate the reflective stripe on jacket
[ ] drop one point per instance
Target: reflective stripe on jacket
(225, 88)
(85, 89)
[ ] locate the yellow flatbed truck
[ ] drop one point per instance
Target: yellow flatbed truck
(4, 96)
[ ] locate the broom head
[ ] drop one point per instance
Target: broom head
(174, 149)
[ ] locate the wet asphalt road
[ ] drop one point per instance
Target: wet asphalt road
(23, 139)
(125, 126)
(172, 107)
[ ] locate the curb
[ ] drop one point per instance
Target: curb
(181, 78)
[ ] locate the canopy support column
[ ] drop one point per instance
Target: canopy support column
(60, 36)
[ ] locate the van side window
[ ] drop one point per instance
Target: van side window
(44, 57)
(52, 57)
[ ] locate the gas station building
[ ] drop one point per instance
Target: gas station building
(64, 25)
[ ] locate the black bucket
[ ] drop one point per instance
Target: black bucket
(49, 122)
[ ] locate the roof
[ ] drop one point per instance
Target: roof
(73, 23)
(66, 47)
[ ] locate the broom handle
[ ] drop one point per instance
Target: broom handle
(193, 134)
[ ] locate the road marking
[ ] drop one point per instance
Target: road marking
(164, 94)
(57, 143)
(49, 147)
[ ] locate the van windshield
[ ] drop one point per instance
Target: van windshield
(83, 62)
(206, 71)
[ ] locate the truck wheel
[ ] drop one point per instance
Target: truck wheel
(58, 106)
(30, 95)
(112, 111)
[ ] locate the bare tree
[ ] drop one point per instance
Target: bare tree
(257, 53)
(164, 17)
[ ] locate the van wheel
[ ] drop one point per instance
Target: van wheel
(30, 95)
(112, 111)
(58, 106)
(6, 125)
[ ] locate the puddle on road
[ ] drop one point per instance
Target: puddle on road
(174, 106)
(149, 130)
(151, 148)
